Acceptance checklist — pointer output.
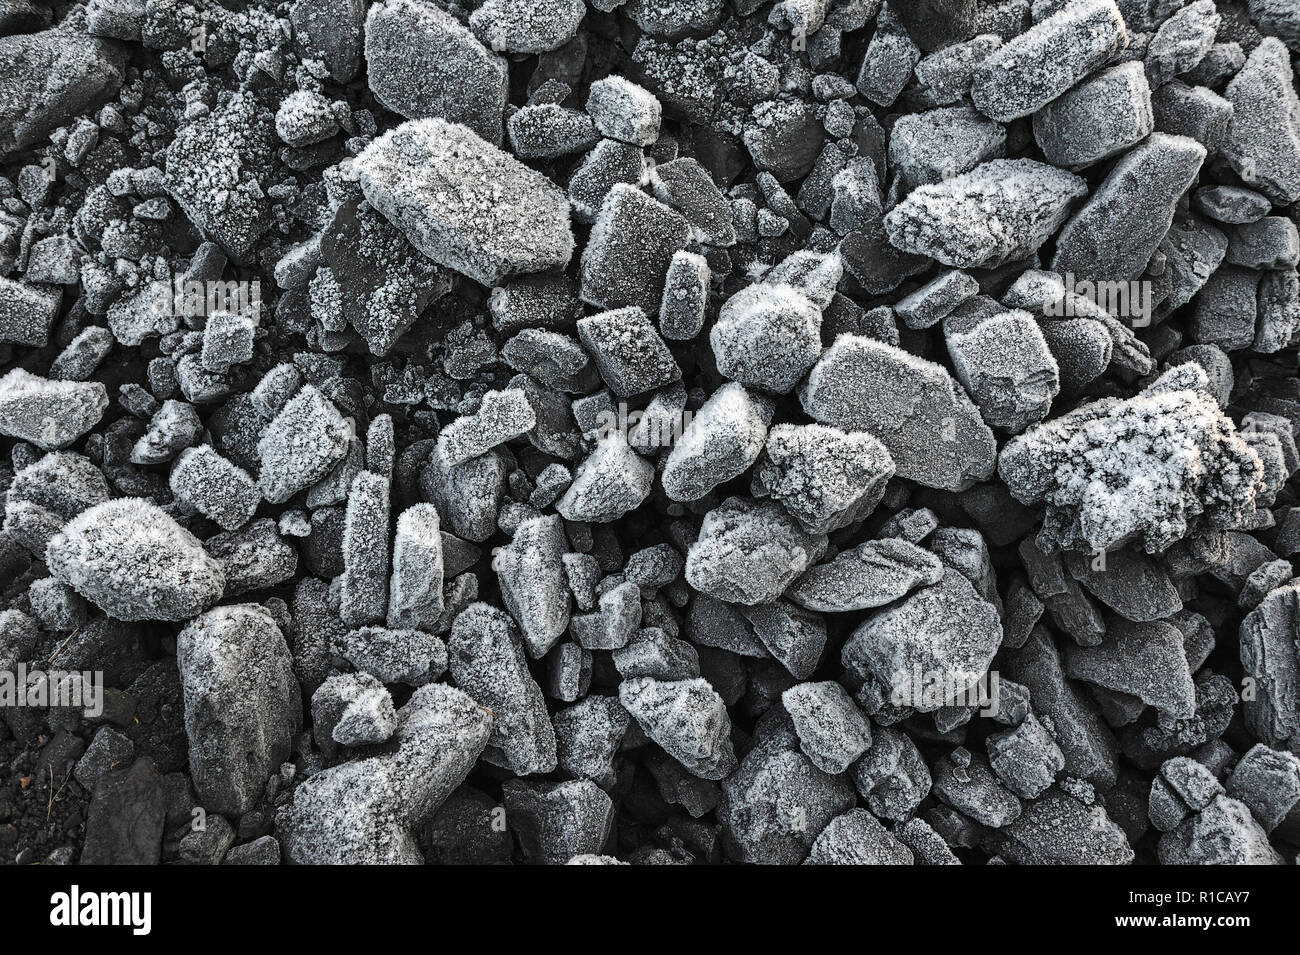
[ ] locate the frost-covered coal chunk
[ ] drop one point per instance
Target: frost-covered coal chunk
(749, 552)
(1226, 311)
(629, 250)
(937, 23)
(826, 478)
(928, 651)
(1224, 833)
(858, 838)
(254, 557)
(227, 340)
(652, 653)
(363, 588)
(46, 494)
(887, 64)
(767, 337)
(1263, 142)
(49, 414)
(1058, 829)
(1099, 118)
(1182, 41)
(423, 64)
(331, 32)
(553, 359)
(468, 497)
(963, 781)
(351, 709)
(777, 803)
(1037, 66)
(624, 111)
(1148, 468)
(687, 186)
(305, 118)
(502, 415)
(559, 822)
(1135, 586)
(721, 442)
(1114, 234)
(27, 311)
(242, 704)
(588, 737)
(47, 78)
(872, 574)
(1000, 211)
(216, 170)
(464, 203)
(527, 27)
(215, 486)
(1192, 111)
(628, 351)
(1271, 243)
(686, 295)
(1270, 658)
(301, 445)
(937, 298)
(377, 281)
(415, 596)
(609, 163)
(1142, 660)
(784, 138)
(534, 587)
(930, 147)
(793, 636)
(912, 406)
(131, 559)
(412, 657)
(362, 812)
(687, 718)
(545, 130)
(487, 661)
(832, 731)
(1026, 758)
(1003, 361)
(617, 618)
(1268, 781)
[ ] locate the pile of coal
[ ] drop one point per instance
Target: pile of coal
(480, 431)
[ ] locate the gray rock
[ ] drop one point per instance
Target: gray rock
(363, 811)
(131, 559)
(870, 575)
(1058, 829)
(432, 179)
(1037, 66)
(242, 704)
(912, 406)
(777, 803)
(748, 552)
(1113, 236)
(858, 838)
(124, 824)
(998, 212)
(832, 731)
(1263, 141)
(49, 414)
(422, 63)
(50, 77)
(687, 718)
(486, 660)
(944, 633)
(556, 822)
(1224, 833)
(1101, 117)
